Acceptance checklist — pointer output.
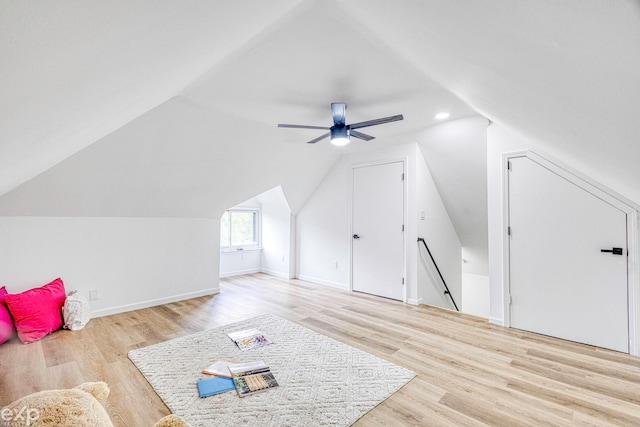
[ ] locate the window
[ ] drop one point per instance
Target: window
(240, 229)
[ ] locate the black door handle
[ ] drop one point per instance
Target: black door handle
(355, 236)
(613, 251)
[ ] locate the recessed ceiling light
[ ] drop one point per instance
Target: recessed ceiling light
(442, 116)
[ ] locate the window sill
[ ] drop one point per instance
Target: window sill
(231, 251)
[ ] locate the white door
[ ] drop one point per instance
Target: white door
(561, 284)
(378, 230)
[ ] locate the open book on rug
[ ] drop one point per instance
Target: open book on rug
(219, 368)
(252, 377)
(248, 339)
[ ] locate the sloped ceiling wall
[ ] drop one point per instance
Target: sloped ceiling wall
(174, 161)
(168, 108)
(564, 73)
(74, 72)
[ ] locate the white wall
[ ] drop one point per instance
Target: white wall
(234, 263)
(132, 262)
(322, 231)
(462, 185)
(441, 238)
(277, 254)
(456, 153)
(476, 294)
(323, 224)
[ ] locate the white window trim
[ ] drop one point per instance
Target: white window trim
(254, 247)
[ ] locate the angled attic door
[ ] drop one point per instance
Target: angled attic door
(565, 278)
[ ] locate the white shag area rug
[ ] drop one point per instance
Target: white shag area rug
(322, 382)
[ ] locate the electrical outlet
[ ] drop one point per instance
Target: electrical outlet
(94, 295)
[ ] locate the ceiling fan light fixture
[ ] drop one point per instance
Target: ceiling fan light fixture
(339, 135)
(340, 142)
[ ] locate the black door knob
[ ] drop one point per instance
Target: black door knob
(355, 236)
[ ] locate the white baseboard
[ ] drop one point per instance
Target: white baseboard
(341, 286)
(279, 274)
(496, 321)
(414, 301)
(152, 303)
(240, 272)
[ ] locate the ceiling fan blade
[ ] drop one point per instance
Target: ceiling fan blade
(280, 125)
(313, 141)
(375, 122)
(339, 110)
(361, 135)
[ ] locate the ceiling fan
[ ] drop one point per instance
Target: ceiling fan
(341, 132)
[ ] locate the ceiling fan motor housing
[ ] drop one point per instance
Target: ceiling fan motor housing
(339, 132)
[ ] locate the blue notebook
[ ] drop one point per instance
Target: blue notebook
(215, 385)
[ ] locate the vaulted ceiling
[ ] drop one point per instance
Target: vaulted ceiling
(169, 108)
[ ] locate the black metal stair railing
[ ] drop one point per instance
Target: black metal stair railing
(447, 292)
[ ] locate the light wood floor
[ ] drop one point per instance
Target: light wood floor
(469, 371)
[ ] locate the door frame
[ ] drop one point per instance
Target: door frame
(404, 161)
(601, 192)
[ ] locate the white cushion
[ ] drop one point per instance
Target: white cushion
(76, 311)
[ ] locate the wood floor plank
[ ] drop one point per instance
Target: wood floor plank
(586, 406)
(469, 372)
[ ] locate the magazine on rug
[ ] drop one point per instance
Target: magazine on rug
(219, 368)
(252, 377)
(248, 339)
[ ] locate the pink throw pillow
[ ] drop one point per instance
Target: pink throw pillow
(37, 312)
(6, 322)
